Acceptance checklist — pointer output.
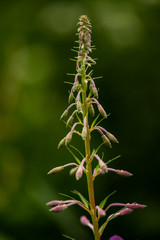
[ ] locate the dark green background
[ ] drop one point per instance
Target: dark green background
(35, 42)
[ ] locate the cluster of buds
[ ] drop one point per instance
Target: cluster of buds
(59, 206)
(83, 101)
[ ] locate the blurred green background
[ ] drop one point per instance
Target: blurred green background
(35, 42)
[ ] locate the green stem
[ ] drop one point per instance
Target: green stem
(88, 160)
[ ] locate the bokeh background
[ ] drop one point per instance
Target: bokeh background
(35, 42)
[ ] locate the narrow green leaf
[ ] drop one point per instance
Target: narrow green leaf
(83, 199)
(100, 121)
(68, 83)
(95, 151)
(109, 161)
(78, 118)
(94, 121)
(71, 74)
(68, 237)
(77, 150)
(65, 195)
(75, 157)
(101, 205)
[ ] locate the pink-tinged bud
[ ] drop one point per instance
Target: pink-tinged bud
(84, 220)
(84, 133)
(79, 172)
(70, 120)
(125, 211)
(73, 171)
(91, 110)
(116, 237)
(56, 170)
(103, 166)
(59, 208)
(135, 206)
(64, 114)
(54, 203)
(79, 108)
(106, 141)
(102, 111)
(101, 212)
(112, 137)
(62, 143)
(68, 138)
(71, 97)
(124, 173)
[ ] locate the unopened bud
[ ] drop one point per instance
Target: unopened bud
(84, 220)
(56, 170)
(91, 110)
(68, 138)
(70, 120)
(79, 106)
(62, 143)
(102, 111)
(125, 211)
(73, 171)
(112, 137)
(84, 133)
(124, 173)
(71, 96)
(116, 237)
(59, 208)
(64, 114)
(101, 212)
(54, 203)
(79, 172)
(135, 206)
(106, 141)
(103, 166)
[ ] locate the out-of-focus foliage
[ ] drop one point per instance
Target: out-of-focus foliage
(36, 38)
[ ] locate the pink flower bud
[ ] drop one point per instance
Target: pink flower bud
(64, 114)
(84, 220)
(106, 141)
(70, 120)
(56, 170)
(135, 206)
(79, 172)
(91, 110)
(103, 166)
(116, 237)
(102, 111)
(68, 138)
(125, 211)
(73, 171)
(54, 203)
(112, 137)
(101, 212)
(59, 208)
(124, 173)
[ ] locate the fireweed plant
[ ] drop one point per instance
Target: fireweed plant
(83, 100)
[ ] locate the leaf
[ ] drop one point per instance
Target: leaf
(68, 82)
(68, 237)
(101, 205)
(75, 157)
(78, 118)
(94, 121)
(77, 150)
(84, 200)
(65, 195)
(95, 151)
(109, 161)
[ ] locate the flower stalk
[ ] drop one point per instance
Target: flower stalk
(84, 95)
